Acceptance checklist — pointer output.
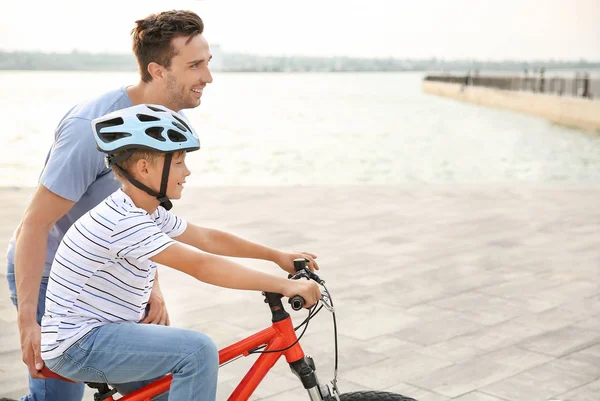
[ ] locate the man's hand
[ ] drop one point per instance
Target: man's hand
(157, 309)
(285, 260)
(31, 351)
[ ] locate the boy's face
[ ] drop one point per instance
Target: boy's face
(177, 174)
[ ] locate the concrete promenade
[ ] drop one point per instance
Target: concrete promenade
(569, 111)
(467, 292)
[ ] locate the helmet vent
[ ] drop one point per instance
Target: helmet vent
(181, 127)
(182, 122)
(146, 118)
(155, 108)
(155, 132)
(109, 123)
(176, 136)
(108, 137)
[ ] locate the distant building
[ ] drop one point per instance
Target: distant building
(216, 64)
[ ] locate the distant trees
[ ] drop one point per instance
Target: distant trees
(244, 62)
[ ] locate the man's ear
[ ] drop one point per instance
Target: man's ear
(156, 70)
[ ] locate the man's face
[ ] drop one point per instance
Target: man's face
(189, 72)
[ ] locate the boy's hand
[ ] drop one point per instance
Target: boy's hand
(286, 261)
(307, 289)
(157, 310)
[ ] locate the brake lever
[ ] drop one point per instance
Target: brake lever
(309, 275)
(326, 301)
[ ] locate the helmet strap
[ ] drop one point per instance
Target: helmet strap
(161, 196)
(114, 159)
(164, 201)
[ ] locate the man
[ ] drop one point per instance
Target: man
(173, 57)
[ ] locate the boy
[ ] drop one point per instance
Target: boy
(103, 271)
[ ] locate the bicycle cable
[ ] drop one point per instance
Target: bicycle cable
(335, 338)
(256, 350)
(312, 313)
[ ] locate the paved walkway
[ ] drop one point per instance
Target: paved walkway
(470, 293)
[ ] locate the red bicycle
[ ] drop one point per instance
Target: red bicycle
(278, 340)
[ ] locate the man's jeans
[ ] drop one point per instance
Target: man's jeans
(44, 389)
(130, 355)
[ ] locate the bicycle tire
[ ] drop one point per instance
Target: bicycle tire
(373, 396)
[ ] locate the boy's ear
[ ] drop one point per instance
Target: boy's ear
(142, 166)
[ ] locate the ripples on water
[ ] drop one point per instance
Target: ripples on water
(306, 129)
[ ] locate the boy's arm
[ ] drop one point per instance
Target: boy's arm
(226, 244)
(222, 272)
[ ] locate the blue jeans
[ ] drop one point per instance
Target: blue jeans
(136, 354)
(44, 389)
(129, 356)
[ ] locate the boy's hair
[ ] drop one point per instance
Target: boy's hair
(136, 155)
(152, 37)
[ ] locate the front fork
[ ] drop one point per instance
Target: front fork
(304, 369)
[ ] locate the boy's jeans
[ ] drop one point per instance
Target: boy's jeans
(136, 354)
(133, 355)
(44, 389)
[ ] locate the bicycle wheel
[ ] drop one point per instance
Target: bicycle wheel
(373, 396)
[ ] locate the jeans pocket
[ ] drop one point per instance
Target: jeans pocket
(55, 364)
(86, 343)
(75, 366)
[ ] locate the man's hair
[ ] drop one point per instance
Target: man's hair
(152, 37)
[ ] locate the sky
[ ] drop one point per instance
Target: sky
(448, 29)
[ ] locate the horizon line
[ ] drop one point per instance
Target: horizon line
(439, 59)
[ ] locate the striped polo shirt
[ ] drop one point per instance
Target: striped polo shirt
(102, 272)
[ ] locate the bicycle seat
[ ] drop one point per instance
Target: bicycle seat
(103, 390)
(51, 375)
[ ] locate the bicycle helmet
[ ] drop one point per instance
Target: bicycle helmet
(144, 126)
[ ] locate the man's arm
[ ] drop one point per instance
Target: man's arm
(44, 210)
(226, 244)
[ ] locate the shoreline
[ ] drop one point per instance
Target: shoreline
(571, 112)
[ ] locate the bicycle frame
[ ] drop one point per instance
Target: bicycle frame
(280, 336)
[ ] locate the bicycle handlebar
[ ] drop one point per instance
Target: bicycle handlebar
(297, 302)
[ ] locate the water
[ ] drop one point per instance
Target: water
(312, 129)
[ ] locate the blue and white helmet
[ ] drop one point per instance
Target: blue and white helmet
(145, 126)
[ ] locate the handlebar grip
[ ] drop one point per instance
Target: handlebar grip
(297, 302)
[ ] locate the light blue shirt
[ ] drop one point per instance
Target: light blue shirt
(75, 169)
